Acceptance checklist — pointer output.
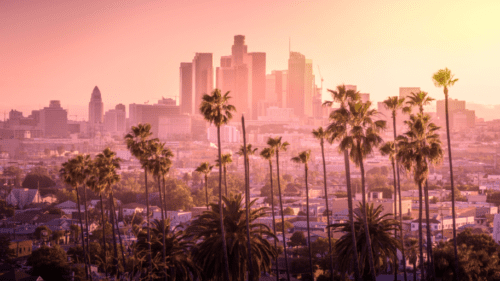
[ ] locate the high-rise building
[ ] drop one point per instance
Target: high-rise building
(202, 79)
(466, 118)
(114, 120)
(147, 113)
(186, 87)
(296, 83)
(96, 107)
(54, 120)
(244, 75)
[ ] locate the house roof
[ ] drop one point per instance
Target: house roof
(26, 217)
(133, 205)
(430, 220)
(16, 275)
(22, 196)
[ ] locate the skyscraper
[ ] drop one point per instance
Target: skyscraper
(186, 87)
(96, 107)
(202, 79)
(300, 85)
(54, 120)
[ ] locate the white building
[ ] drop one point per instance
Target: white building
(228, 134)
(176, 217)
(174, 126)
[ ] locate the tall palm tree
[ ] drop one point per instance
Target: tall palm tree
(412, 245)
(380, 228)
(108, 164)
(205, 168)
(362, 137)
(167, 155)
(419, 146)
(303, 158)
(268, 154)
(138, 143)
(249, 151)
(338, 129)
(321, 135)
(227, 158)
(207, 253)
(395, 104)
(419, 100)
(217, 110)
(277, 145)
(159, 165)
(97, 185)
(444, 78)
(73, 175)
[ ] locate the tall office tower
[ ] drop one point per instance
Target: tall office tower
(296, 80)
(96, 107)
(244, 75)
(258, 81)
(308, 88)
(276, 87)
(186, 87)
(202, 79)
(114, 120)
(54, 120)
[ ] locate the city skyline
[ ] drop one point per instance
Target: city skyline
(131, 58)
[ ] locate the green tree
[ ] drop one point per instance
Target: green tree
(50, 263)
(277, 145)
(444, 78)
(216, 109)
(227, 158)
(298, 239)
(338, 129)
(384, 245)
(289, 211)
(207, 253)
(6, 211)
(15, 172)
(303, 158)
(39, 232)
(37, 179)
(6, 253)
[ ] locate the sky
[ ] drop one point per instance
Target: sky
(61, 49)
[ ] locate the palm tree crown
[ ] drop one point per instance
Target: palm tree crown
(215, 108)
(419, 100)
(444, 78)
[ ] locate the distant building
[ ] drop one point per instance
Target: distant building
(96, 107)
(228, 134)
(300, 85)
(21, 197)
(21, 248)
(54, 121)
(459, 116)
(175, 127)
(114, 120)
(146, 113)
(202, 67)
(186, 87)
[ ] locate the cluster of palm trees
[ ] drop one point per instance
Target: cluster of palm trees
(230, 244)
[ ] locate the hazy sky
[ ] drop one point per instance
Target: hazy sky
(131, 50)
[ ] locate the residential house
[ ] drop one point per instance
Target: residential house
(21, 247)
(21, 197)
(131, 208)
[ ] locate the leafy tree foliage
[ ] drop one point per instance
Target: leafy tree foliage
(298, 239)
(51, 263)
(288, 212)
(6, 211)
(39, 232)
(38, 175)
(6, 253)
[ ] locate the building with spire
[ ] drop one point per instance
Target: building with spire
(96, 107)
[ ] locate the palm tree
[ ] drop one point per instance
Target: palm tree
(276, 145)
(412, 245)
(444, 78)
(178, 261)
(207, 254)
(338, 129)
(303, 158)
(249, 151)
(227, 158)
(268, 154)
(384, 245)
(159, 165)
(362, 137)
(108, 163)
(419, 147)
(418, 100)
(97, 185)
(321, 135)
(394, 104)
(138, 142)
(73, 175)
(217, 110)
(205, 168)
(167, 155)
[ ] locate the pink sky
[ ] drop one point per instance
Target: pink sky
(132, 49)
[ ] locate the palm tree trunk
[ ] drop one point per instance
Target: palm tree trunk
(365, 218)
(112, 220)
(400, 199)
(87, 229)
(415, 271)
(351, 216)
(225, 178)
(455, 249)
(395, 218)
(420, 242)
(163, 230)
(150, 264)
(118, 230)
(206, 189)
(274, 220)
(104, 239)
(308, 228)
(282, 215)
(223, 232)
(247, 200)
(430, 263)
(327, 210)
(81, 227)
